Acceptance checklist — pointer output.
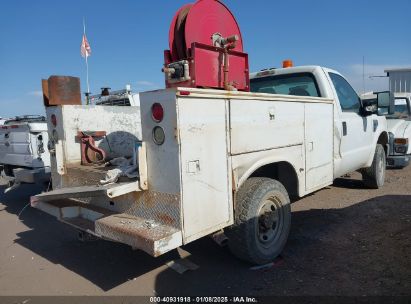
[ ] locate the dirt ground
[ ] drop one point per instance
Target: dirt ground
(345, 240)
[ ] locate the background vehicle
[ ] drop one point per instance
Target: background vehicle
(211, 159)
(397, 109)
(123, 97)
(24, 156)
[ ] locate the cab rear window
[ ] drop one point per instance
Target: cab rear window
(301, 84)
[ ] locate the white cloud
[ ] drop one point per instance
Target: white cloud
(145, 83)
(373, 69)
(35, 93)
(367, 83)
(20, 105)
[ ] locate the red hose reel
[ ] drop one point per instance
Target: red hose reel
(206, 49)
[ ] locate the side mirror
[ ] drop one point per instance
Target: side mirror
(385, 102)
(369, 107)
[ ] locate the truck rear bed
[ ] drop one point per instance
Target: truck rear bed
(190, 177)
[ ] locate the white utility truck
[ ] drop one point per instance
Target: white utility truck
(24, 156)
(397, 110)
(213, 159)
(210, 159)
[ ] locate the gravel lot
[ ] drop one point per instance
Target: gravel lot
(345, 240)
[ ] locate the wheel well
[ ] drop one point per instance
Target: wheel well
(383, 140)
(283, 172)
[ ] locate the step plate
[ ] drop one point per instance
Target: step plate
(147, 235)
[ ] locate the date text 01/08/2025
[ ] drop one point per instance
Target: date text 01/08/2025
(235, 299)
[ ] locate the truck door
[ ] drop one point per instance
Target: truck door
(354, 131)
(318, 145)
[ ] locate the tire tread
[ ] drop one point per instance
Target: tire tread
(240, 241)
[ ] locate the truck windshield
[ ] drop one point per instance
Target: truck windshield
(301, 84)
(401, 108)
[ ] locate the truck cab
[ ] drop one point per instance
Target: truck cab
(357, 127)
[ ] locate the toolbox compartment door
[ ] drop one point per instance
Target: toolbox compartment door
(205, 168)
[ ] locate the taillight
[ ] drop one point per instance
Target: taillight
(157, 112)
(158, 135)
(54, 120)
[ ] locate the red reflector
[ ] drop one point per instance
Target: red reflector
(54, 120)
(4, 127)
(14, 126)
(157, 112)
(184, 93)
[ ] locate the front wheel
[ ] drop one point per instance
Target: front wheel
(374, 176)
(262, 221)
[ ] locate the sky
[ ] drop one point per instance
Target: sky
(127, 37)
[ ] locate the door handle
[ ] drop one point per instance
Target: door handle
(344, 125)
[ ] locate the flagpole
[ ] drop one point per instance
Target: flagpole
(88, 85)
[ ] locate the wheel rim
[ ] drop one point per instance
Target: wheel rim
(270, 221)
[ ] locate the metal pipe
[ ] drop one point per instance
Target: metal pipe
(168, 70)
(226, 69)
(229, 40)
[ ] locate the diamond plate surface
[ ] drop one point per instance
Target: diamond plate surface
(163, 208)
(147, 235)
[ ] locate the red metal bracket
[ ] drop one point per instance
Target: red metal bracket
(90, 154)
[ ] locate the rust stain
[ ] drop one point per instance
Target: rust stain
(149, 200)
(165, 219)
(135, 196)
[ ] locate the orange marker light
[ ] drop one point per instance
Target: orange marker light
(288, 63)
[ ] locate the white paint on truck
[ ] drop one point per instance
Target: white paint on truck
(216, 144)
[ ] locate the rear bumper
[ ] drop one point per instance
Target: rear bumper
(398, 161)
(151, 236)
(26, 176)
(31, 176)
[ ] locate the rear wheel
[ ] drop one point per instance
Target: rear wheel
(262, 221)
(374, 176)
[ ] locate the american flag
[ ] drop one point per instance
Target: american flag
(85, 47)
